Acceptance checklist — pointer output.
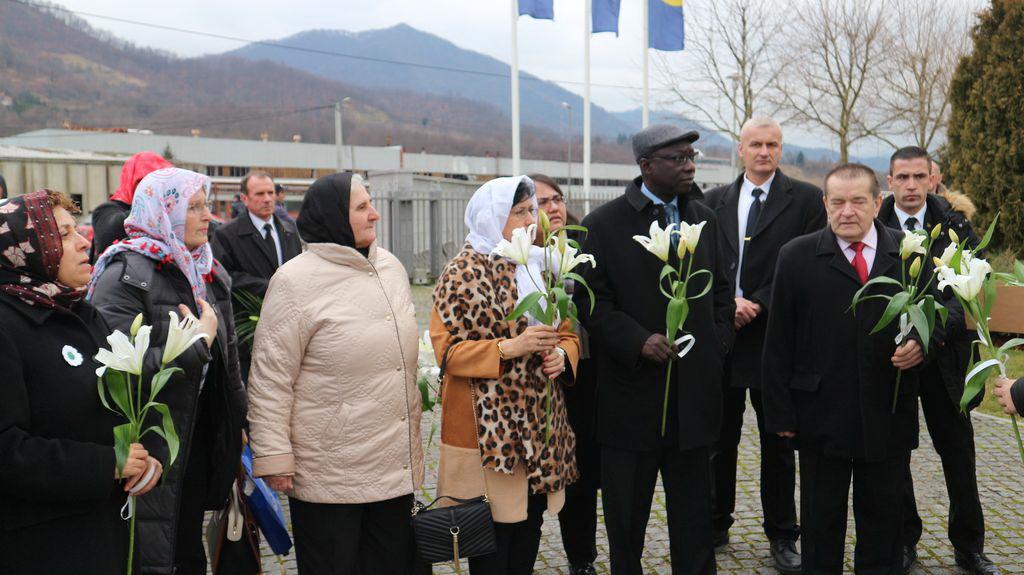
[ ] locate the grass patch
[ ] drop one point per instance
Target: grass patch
(1014, 370)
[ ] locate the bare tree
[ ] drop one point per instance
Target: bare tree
(833, 82)
(929, 38)
(732, 60)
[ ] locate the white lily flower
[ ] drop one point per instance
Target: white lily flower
(659, 242)
(947, 254)
(689, 236)
(180, 336)
(969, 284)
(569, 258)
(517, 250)
(913, 243)
(124, 355)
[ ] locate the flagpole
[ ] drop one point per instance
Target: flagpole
(646, 112)
(587, 31)
(515, 87)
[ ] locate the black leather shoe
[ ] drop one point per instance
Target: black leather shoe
(909, 557)
(720, 539)
(787, 560)
(582, 569)
(975, 563)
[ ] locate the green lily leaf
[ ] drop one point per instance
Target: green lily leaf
(527, 305)
(123, 440)
(892, 311)
(920, 323)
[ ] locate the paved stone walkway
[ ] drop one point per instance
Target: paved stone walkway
(1002, 493)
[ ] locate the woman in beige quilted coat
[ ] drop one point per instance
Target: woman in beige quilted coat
(334, 409)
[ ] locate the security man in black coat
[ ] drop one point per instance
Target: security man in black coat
(758, 213)
(253, 245)
(627, 335)
(911, 207)
(829, 385)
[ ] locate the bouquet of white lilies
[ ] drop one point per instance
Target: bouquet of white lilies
(974, 284)
(913, 305)
(551, 304)
(659, 243)
(120, 378)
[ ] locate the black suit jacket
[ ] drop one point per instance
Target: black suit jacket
(792, 208)
(240, 248)
(629, 308)
(952, 359)
(824, 377)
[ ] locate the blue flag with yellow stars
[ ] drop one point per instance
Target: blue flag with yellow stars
(665, 25)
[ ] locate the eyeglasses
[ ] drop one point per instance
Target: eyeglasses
(679, 159)
(523, 212)
(199, 209)
(555, 200)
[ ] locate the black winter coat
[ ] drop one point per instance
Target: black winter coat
(107, 226)
(952, 359)
(629, 308)
(240, 247)
(825, 378)
(133, 284)
(60, 511)
(792, 208)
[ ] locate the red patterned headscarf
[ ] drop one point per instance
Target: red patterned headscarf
(30, 253)
(137, 167)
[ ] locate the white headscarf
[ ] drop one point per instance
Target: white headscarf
(486, 216)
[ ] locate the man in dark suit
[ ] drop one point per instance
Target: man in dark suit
(912, 207)
(829, 385)
(253, 245)
(758, 213)
(628, 342)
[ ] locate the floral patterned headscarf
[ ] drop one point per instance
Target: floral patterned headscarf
(156, 227)
(30, 253)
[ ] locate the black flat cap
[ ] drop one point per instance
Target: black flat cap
(657, 136)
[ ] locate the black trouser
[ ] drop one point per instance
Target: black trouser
(578, 522)
(778, 470)
(364, 538)
(628, 480)
(878, 515)
(953, 437)
(517, 544)
(189, 554)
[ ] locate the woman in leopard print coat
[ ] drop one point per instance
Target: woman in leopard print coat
(495, 388)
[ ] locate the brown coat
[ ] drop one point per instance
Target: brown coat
(459, 472)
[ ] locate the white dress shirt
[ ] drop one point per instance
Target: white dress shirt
(742, 211)
(904, 216)
(273, 233)
(870, 242)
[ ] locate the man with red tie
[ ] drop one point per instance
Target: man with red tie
(828, 385)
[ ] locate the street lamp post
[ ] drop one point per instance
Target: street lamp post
(339, 140)
(733, 160)
(568, 149)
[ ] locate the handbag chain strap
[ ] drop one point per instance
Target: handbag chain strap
(417, 506)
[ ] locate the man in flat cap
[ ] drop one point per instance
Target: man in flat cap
(628, 342)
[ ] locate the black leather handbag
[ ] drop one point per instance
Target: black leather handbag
(451, 533)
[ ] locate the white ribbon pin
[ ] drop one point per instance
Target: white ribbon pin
(687, 339)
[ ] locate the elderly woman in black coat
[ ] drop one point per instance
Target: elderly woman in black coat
(62, 491)
(165, 265)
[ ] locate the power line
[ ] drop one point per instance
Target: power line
(314, 50)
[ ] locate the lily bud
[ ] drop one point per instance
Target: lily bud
(936, 231)
(563, 241)
(915, 268)
(545, 223)
(938, 262)
(953, 237)
(136, 324)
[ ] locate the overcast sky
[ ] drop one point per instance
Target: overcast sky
(552, 50)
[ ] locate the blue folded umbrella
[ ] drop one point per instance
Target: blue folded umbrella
(266, 509)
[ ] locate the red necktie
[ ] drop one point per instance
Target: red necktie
(859, 263)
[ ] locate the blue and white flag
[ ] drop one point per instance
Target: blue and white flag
(605, 16)
(665, 25)
(539, 9)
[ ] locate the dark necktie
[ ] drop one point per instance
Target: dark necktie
(672, 217)
(753, 214)
(859, 263)
(911, 224)
(268, 239)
